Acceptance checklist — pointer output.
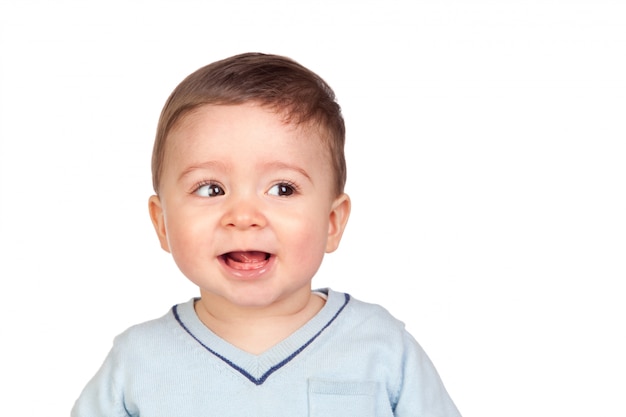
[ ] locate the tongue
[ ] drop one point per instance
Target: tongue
(246, 260)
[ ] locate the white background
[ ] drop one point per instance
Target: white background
(486, 166)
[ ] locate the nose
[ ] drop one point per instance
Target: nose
(243, 213)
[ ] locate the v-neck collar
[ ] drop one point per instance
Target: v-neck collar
(257, 368)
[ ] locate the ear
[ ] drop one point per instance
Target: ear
(337, 221)
(158, 220)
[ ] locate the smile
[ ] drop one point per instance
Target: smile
(246, 260)
(247, 264)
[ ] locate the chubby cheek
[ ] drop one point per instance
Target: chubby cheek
(307, 245)
(186, 246)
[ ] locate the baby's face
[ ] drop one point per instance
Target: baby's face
(246, 204)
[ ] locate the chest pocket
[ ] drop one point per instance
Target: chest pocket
(329, 398)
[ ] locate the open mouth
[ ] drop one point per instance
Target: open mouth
(246, 260)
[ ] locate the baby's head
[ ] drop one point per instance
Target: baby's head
(249, 171)
(274, 82)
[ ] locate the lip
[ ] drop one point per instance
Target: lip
(248, 274)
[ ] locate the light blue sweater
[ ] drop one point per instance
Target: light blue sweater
(352, 359)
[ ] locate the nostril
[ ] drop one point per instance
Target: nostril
(243, 215)
(243, 224)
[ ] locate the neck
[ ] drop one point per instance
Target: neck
(257, 329)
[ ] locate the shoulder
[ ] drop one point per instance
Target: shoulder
(370, 320)
(151, 335)
(363, 311)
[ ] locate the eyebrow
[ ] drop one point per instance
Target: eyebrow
(219, 165)
(283, 165)
(203, 165)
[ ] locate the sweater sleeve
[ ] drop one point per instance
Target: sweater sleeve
(102, 396)
(422, 393)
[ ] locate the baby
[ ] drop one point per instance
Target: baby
(249, 172)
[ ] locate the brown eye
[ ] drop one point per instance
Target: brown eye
(209, 190)
(282, 190)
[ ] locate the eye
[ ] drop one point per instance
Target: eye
(209, 190)
(283, 189)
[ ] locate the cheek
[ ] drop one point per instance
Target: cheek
(184, 238)
(307, 241)
(181, 251)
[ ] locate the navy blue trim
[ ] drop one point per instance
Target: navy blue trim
(259, 381)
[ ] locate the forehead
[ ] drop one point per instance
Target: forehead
(233, 131)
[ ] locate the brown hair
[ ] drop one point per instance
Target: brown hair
(277, 82)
